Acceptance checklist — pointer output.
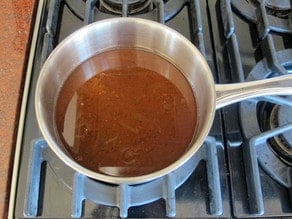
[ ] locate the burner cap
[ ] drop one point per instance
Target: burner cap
(282, 115)
(134, 6)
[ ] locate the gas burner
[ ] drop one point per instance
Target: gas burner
(278, 116)
(264, 117)
(249, 9)
(134, 6)
(266, 132)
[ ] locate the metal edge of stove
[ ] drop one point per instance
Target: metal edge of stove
(18, 146)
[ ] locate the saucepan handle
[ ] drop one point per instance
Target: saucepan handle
(227, 94)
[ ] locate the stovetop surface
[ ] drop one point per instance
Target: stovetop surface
(241, 40)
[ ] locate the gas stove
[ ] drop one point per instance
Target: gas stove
(242, 170)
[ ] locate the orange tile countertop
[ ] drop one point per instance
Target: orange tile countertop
(15, 27)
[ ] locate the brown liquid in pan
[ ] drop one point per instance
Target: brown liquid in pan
(126, 112)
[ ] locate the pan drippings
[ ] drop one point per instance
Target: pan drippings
(126, 112)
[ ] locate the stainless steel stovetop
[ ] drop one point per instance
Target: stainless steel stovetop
(244, 167)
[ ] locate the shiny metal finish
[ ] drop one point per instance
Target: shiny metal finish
(228, 94)
(114, 33)
(156, 38)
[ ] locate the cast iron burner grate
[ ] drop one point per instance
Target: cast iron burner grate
(255, 157)
(267, 15)
(124, 196)
(268, 135)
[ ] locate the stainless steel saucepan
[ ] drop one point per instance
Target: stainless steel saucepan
(159, 39)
